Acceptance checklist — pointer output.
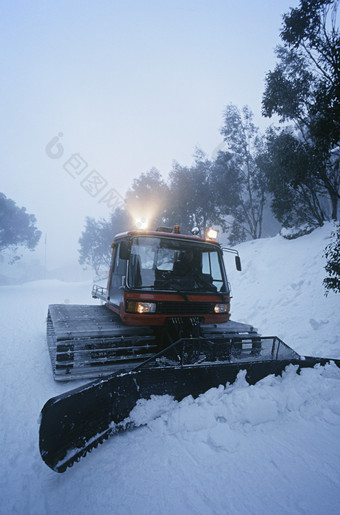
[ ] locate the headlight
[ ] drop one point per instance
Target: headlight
(222, 308)
(140, 307)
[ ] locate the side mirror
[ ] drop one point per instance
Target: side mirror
(238, 263)
(124, 250)
(237, 257)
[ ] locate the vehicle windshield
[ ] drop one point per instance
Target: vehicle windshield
(174, 264)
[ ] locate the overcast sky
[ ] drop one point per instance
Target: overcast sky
(122, 86)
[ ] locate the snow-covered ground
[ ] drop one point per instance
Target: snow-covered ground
(269, 448)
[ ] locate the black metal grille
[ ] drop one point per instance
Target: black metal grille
(185, 308)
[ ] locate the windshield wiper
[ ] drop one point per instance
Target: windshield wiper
(184, 295)
(142, 287)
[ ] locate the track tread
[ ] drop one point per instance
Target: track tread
(88, 341)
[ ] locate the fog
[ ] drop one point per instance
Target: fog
(95, 93)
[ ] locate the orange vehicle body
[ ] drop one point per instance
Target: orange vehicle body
(155, 254)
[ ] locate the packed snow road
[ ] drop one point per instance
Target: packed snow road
(269, 448)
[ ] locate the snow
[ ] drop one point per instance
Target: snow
(269, 448)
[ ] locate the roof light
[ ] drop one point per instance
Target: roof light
(177, 229)
(212, 234)
(141, 223)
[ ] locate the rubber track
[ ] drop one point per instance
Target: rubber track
(87, 341)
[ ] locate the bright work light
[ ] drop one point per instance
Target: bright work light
(212, 234)
(141, 223)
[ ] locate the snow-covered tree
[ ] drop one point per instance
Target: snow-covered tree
(17, 227)
(332, 254)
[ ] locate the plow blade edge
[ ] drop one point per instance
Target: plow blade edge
(75, 422)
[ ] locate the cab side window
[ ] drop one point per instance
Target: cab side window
(211, 267)
(117, 279)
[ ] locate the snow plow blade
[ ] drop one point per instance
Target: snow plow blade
(75, 422)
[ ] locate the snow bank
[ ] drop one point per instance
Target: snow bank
(280, 292)
(268, 448)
